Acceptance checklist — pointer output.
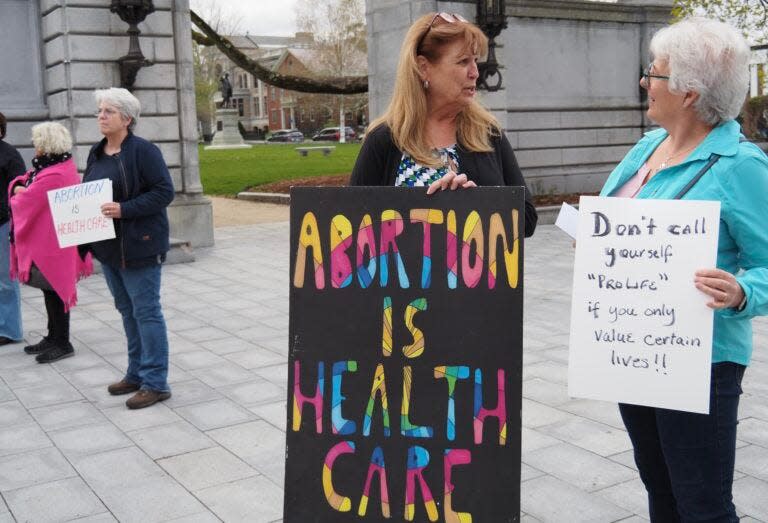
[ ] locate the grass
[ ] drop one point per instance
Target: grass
(227, 172)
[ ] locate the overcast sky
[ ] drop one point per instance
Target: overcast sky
(262, 17)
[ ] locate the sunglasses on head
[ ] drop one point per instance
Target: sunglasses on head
(449, 18)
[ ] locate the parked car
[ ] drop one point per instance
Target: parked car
(286, 135)
(332, 134)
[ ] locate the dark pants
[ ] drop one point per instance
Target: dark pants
(685, 459)
(58, 320)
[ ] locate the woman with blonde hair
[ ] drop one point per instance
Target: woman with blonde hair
(36, 258)
(434, 133)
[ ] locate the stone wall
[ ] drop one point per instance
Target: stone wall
(77, 43)
(570, 104)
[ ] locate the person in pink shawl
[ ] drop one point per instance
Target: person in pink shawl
(36, 258)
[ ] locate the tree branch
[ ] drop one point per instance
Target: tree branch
(202, 39)
(328, 85)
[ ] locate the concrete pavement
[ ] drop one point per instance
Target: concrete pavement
(215, 450)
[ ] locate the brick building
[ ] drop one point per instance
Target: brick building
(264, 108)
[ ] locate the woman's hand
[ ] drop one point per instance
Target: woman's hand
(451, 181)
(111, 210)
(721, 286)
(18, 189)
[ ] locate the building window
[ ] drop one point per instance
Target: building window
(273, 120)
(240, 106)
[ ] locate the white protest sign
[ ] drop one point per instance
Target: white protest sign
(641, 332)
(76, 212)
(568, 220)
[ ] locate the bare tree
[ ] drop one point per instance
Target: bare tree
(338, 27)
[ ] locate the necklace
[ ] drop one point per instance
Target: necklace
(663, 165)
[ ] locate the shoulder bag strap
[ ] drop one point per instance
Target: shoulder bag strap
(713, 158)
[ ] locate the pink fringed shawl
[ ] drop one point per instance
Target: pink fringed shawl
(35, 237)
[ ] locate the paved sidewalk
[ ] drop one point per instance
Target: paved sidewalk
(215, 450)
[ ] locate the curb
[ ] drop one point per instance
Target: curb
(265, 197)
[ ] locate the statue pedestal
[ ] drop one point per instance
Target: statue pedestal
(227, 136)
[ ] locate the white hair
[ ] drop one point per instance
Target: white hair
(51, 138)
(122, 100)
(710, 58)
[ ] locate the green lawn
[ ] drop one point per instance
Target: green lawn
(231, 171)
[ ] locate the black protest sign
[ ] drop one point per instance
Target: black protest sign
(405, 365)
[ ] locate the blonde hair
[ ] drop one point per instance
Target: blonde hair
(51, 138)
(407, 111)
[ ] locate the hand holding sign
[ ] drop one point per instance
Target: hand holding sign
(77, 212)
(112, 210)
(721, 286)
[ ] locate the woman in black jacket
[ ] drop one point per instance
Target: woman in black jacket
(434, 133)
(11, 166)
(142, 189)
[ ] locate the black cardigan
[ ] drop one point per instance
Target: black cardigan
(379, 160)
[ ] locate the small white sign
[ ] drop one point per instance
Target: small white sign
(568, 220)
(641, 332)
(76, 212)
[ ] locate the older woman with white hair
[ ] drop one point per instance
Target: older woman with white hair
(696, 84)
(142, 189)
(36, 258)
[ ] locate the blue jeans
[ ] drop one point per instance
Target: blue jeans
(10, 297)
(685, 459)
(137, 297)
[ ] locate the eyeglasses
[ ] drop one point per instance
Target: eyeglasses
(106, 111)
(646, 76)
(450, 18)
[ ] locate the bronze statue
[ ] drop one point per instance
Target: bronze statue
(226, 90)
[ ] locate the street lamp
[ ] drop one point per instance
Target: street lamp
(132, 12)
(491, 18)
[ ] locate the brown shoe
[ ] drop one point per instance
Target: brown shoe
(122, 387)
(145, 398)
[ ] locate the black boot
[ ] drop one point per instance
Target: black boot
(56, 352)
(39, 347)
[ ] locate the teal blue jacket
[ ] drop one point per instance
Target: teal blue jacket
(739, 181)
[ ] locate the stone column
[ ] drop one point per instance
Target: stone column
(191, 214)
(387, 22)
